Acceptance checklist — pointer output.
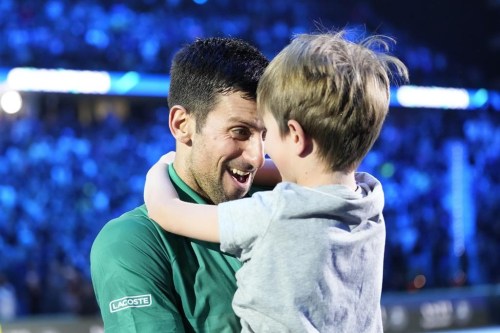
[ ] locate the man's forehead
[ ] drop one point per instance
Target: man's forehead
(232, 118)
(235, 109)
(236, 98)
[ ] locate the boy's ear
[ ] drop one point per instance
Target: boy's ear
(301, 142)
(180, 123)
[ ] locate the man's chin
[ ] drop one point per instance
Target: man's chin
(234, 194)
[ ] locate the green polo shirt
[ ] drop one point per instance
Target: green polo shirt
(148, 280)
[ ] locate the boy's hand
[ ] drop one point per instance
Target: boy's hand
(158, 186)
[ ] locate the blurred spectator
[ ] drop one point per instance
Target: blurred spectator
(8, 300)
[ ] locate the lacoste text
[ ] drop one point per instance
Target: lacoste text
(130, 302)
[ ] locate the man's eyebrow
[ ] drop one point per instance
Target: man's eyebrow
(247, 123)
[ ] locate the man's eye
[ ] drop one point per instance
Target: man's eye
(241, 132)
(264, 134)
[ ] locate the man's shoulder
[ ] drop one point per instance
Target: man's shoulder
(133, 221)
(132, 229)
(136, 234)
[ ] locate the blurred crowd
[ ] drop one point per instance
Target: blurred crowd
(134, 35)
(61, 180)
(63, 174)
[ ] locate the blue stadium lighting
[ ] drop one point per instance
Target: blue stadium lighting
(387, 170)
(432, 97)
(127, 82)
(200, 2)
(3, 75)
(156, 85)
(457, 174)
(478, 98)
(11, 102)
(58, 80)
(494, 100)
(135, 84)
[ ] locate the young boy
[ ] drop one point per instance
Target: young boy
(312, 249)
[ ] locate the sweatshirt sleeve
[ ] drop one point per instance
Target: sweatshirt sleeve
(243, 222)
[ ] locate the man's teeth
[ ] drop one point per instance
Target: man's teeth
(239, 172)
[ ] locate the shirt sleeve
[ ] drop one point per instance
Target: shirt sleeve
(242, 222)
(132, 281)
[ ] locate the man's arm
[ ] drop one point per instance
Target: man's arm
(174, 215)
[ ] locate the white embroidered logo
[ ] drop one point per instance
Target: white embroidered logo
(130, 302)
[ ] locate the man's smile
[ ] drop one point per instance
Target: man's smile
(240, 176)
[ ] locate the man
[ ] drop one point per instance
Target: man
(148, 280)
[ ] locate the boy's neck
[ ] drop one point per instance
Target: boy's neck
(310, 179)
(312, 172)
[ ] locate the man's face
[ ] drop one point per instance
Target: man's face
(227, 151)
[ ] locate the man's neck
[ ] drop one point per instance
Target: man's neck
(184, 187)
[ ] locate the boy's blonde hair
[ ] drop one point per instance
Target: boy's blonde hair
(336, 89)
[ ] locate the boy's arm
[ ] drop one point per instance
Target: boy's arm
(268, 175)
(176, 216)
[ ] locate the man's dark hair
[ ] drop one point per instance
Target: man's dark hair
(208, 67)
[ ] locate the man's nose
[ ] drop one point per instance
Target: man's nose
(254, 152)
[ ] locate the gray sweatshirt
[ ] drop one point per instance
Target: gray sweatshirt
(312, 257)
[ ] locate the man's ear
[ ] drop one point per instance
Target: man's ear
(300, 141)
(181, 124)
